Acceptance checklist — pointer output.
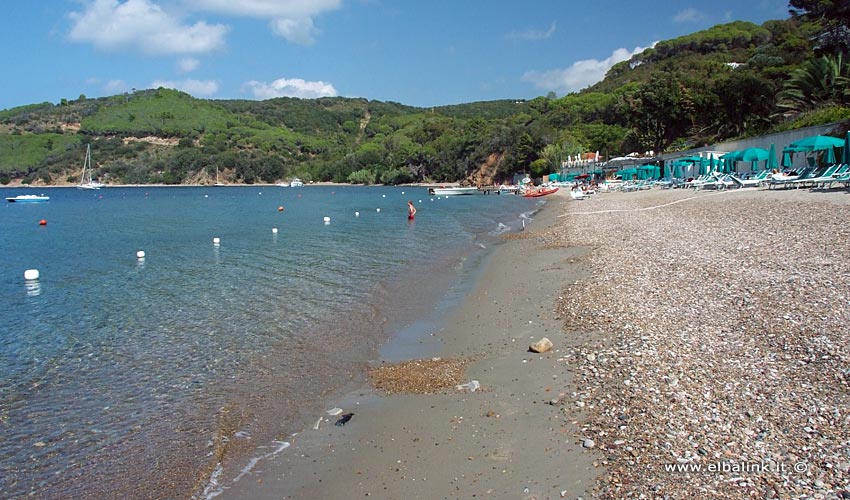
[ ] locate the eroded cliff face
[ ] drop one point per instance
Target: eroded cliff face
(486, 173)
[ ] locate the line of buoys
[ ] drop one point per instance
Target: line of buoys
(31, 275)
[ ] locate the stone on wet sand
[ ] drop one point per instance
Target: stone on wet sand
(541, 345)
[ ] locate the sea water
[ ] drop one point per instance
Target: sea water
(137, 377)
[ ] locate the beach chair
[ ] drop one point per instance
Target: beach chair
(753, 182)
(786, 180)
(843, 178)
(826, 173)
(830, 176)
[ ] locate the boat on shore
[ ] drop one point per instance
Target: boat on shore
(296, 182)
(452, 191)
(28, 198)
(86, 181)
(536, 193)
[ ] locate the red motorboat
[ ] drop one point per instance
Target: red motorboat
(539, 192)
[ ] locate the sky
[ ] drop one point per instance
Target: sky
(420, 53)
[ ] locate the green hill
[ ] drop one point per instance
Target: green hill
(732, 80)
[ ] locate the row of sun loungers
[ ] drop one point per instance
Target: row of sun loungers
(812, 177)
(815, 178)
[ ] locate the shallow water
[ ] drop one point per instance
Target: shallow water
(136, 377)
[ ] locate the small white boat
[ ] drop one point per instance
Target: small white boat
(86, 181)
(451, 191)
(28, 198)
(282, 184)
(296, 182)
(508, 189)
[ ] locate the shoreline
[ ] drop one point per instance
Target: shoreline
(512, 437)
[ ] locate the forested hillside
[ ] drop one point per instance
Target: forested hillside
(733, 80)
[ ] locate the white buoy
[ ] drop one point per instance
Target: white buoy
(379, 210)
(206, 196)
(216, 241)
(140, 254)
(402, 192)
(274, 230)
(383, 196)
(420, 201)
(327, 220)
(31, 275)
(357, 214)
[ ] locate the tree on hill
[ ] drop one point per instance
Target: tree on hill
(834, 17)
(823, 82)
(659, 111)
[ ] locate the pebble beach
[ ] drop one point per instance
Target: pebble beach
(716, 357)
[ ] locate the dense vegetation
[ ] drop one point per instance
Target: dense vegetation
(733, 80)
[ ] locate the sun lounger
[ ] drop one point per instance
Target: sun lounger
(830, 176)
(754, 182)
(826, 173)
(786, 180)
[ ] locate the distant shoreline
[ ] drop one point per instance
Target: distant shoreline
(15, 185)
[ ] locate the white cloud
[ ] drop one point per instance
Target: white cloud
(116, 86)
(300, 31)
(533, 34)
(688, 16)
(580, 75)
(113, 25)
(187, 65)
(291, 87)
(291, 19)
(197, 88)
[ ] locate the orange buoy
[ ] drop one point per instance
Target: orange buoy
(42, 222)
(280, 208)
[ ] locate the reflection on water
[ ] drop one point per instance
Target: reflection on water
(33, 288)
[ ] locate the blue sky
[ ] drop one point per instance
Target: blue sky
(421, 53)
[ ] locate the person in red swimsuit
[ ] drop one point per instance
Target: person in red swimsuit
(411, 210)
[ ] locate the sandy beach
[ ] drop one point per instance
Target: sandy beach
(700, 350)
(512, 438)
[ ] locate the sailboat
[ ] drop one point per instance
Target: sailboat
(85, 179)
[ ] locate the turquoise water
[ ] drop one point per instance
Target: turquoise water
(128, 377)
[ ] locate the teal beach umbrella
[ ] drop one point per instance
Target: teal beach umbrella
(771, 159)
(815, 143)
(829, 157)
(845, 154)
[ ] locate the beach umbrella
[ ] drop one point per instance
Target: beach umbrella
(845, 154)
(786, 158)
(752, 154)
(815, 143)
(711, 165)
(829, 156)
(771, 159)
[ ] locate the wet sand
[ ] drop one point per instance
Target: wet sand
(515, 437)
